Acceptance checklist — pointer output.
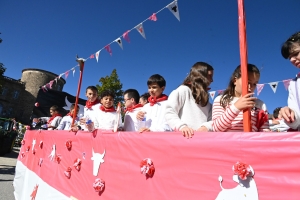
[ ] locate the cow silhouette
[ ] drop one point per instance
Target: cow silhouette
(246, 189)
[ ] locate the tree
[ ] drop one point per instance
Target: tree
(112, 83)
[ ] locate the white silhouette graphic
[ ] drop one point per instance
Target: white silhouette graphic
(68, 105)
(98, 159)
(33, 144)
(246, 189)
(53, 153)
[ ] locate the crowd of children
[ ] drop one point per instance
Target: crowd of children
(187, 109)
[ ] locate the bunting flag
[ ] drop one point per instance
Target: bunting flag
(60, 76)
(140, 29)
(259, 88)
(66, 74)
(97, 55)
(92, 56)
(173, 7)
(119, 41)
(286, 83)
(50, 84)
(153, 17)
(126, 36)
(108, 49)
(220, 92)
(56, 80)
(274, 86)
(212, 94)
(73, 70)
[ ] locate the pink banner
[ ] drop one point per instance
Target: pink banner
(184, 168)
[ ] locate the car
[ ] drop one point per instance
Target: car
(8, 135)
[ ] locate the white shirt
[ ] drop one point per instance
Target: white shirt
(65, 123)
(131, 123)
(293, 103)
(106, 120)
(55, 122)
(91, 113)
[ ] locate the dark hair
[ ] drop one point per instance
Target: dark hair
(145, 96)
(229, 93)
(158, 79)
(276, 112)
(132, 93)
(54, 108)
(107, 93)
(73, 106)
(93, 88)
(197, 81)
(288, 46)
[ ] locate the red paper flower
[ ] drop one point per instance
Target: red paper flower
(241, 169)
(69, 145)
(22, 155)
(37, 104)
(57, 158)
(23, 142)
(33, 151)
(41, 144)
(147, 167)
(99, 185)
(27, 127)
(77, 164)
(28, 148)
(68, 172)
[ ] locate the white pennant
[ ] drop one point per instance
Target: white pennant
(212, 94)
(73, 70)
(140, 29)
(60, 76)
(173, 7)
(97, 55)
(119, 41)
(274, 86)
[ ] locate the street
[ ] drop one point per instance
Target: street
(7, 173)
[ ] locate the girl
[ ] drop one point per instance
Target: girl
(291, 113)
(188, 107)
(227, 112)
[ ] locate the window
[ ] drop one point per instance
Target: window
(16, 94)
(4, 91)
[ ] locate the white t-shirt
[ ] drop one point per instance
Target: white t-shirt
(131, 123)
(65, 123)
(106, 120)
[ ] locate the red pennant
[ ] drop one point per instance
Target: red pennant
(126, 36)
(92, 56)
(286, 83)
(108, 49)
(66, 74)
(153, 17)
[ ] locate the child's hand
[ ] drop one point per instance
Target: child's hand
(145, 129)
(187, 132)
(287, 114)
(245, 102)
(140, 115)
(202, 129)
(82, 121)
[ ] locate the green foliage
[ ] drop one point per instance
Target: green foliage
(112, 83)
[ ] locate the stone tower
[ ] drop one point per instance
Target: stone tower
(34, 79)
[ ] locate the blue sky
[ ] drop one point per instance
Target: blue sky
(48, 35)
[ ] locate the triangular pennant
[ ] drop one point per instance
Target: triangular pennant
(220, 91)
(50, 84)
(60, 76)
(44, 88)
(56, 80)
(153, 17)
(274, 86)
(126, 36)
(108, 49)
(92, 56)
(140, 29)
(173, 7)
(212, 94)
(66, 74)
(259, 88)
(73, 70)
(97, 55)
(286, 83)
(119, 41)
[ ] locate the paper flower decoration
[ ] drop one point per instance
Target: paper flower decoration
(242, 170)
(99, 185)
(41, 144)
(57, 158)
(69, 145)
(23, 142)
(22, 155)
(77, 164)
(27, 127)
(28, 148)
(68, 172)
(37, 104)
(147, 167)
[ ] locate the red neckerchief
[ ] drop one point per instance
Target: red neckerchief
(262, 117)
(153, 100)
(89, 104)
(130, 109)
(51, 118)
(111, 109)
(71, 115)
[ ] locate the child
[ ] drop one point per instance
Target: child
(106, 115)
(154, 111)
(65, 123)
(227, 113)
(188, 106)
(291, 113)
(144, 98)
(92, 104)
(131, 98)
(54, 120)
(278, 125)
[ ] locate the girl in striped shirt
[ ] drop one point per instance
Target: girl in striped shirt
(227, 113)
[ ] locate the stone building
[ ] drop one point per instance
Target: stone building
(18, 97)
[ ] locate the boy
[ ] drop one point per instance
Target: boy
(65, 123)
(106, 115)
(54, 120)
(154, 111)
(92, 104)
(131, 98)
(278, 125)
(144, 98)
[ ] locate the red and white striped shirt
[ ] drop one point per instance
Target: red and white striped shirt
(230, 119)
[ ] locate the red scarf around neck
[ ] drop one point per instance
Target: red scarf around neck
(51, 118)
(153, 100)
(111, 109)
(130, 109)
(71, 115)
(89, 104)
(262, 117)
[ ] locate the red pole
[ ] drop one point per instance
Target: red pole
(81, 67)
(244, 61)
